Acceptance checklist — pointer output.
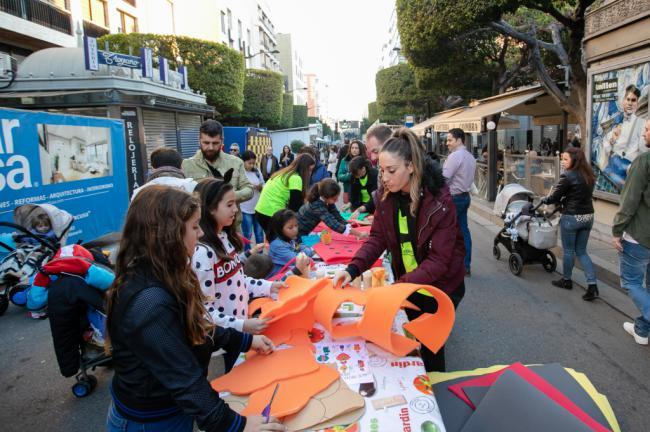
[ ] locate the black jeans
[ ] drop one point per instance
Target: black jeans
(432, 362)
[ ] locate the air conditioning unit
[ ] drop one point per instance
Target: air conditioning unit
(8, 66)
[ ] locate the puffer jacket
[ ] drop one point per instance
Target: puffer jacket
(573, 194)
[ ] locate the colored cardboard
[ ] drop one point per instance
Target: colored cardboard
(294, 298)
(262, 371)
(327, 303)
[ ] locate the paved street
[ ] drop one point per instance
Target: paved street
(502, 319)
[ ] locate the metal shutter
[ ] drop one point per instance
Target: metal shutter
(188, 130)
(159, 131)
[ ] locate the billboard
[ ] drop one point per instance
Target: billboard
(75, 163)
(619, 109)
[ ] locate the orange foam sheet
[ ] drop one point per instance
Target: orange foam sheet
(294, 298)
(383, 303)
(328, 301)
(293, 393)
(281, 330)
(256, 305)
(262, 371)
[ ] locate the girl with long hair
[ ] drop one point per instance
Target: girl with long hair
(356, 149)
(158, 328)
(574, 193)
(287, 188)
(415, 220)
(286, 157)
(363, 184)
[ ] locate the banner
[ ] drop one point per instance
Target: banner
(72, 162)
(619, 110)
(134, 161)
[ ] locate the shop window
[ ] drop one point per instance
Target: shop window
(95, 11)
(128, 23)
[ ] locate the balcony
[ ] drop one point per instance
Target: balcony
(40, 13)
(94, 30)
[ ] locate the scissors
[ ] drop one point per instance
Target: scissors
(267, 409)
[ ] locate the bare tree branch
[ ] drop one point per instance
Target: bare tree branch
(555, 29)
(503, 27)
(552, 11)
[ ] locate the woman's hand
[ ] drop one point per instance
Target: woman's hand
(359, 234)
(276, 286)
(342, 278)
(257, 423)
(255, 325)
(257, 248)
(262, 345)
(303, 264)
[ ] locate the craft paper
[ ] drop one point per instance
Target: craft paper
(352, 360)
(294, 298)
(514, 405)
(340, 252)
(347, 215)
(328, 302)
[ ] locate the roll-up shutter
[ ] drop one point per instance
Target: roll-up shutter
(188, 128)
(159, 131)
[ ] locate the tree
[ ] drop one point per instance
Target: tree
(550, 30)
(287, 111)
(213, 68)
(365, 125)
(300, 116)
(262, 98)
(372, 112)
(398, 95)
(296, 145)
(327, 130)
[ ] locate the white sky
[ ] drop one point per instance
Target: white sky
(340, 41)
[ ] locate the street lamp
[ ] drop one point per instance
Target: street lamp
(262, 52)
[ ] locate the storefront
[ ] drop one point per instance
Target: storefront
(156, 112)
(617, 51)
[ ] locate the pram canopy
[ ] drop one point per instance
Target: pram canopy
(61, 220)
(510, 192)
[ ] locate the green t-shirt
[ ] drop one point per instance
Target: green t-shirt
(408, 256)
(275, 194)
(365, 196)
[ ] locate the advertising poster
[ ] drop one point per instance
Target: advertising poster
(619, 109)
(75, 163)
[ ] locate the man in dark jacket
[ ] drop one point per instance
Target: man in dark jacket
(268, 164)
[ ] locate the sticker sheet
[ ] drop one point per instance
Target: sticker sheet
(351, 358)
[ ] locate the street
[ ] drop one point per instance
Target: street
(503, 319)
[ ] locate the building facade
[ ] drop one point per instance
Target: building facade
(391, 50)
(292, 68)
(313, 91)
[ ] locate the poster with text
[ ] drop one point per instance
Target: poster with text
(619, 110)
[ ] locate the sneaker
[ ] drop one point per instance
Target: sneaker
(629, 327)
(42, 315)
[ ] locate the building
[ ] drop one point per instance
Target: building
(292, 68)
(313, 105)
(246, 26)
(391, 50)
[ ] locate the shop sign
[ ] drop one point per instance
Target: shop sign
(134, 163)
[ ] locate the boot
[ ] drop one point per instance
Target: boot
(563, 283)
(592, 293)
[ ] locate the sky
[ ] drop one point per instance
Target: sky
(340, 41)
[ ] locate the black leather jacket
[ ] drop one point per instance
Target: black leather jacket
(573, 194)
(158, 373)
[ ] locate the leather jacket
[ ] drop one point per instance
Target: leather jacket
(573, 194)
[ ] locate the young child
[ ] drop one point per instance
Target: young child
(218, 267)
(260, 266)
(284, 239)
(362, 185)
(321, 206)
(250, 223)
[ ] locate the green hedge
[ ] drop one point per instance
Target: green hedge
(213, 68)
(300, 116)
(372, 112)
(397, 93)
(263, 98)
(287, 111)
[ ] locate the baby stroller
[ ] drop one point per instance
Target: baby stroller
(527, 234)
(27, 249)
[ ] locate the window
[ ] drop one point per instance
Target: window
(223, 22)
(239, 33)
(95, 12)
(229, 19)
(128, 24)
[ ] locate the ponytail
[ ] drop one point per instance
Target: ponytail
(314, 194)
(326, 188)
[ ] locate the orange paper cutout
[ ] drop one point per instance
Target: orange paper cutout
(293, 393)
(256, 305)
(294, 298)
(383, 303)
(262, 371)
(280, 331)
(328, 301)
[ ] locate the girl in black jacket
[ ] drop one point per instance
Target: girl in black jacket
(363, 184)
(158, 329)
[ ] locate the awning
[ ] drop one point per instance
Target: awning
(471, 120)
(420, 128)
(35, 94)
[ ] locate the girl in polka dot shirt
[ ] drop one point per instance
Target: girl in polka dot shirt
(218, 266)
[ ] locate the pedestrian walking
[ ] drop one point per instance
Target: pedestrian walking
(286, 157)
(158, 329)
(415, 221)
(573, 193)
(459, 170)
(287, 188)
(250, 223)
(268, 164)
(631, 230)
(332, 160)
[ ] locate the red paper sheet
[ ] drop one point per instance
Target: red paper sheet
(537, 381)
(339, 252)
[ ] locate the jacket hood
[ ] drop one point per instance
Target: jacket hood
(166, 171)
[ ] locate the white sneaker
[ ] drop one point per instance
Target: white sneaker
(629, 327)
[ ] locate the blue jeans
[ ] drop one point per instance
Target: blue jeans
(575, 235)
(462, 202)
(250, 223)
(177, 423)
(635, 268)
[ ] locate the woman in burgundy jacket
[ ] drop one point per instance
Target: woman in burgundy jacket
(415, 220)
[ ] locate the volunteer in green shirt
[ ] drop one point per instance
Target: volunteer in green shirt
(287, 188)
(363, 184)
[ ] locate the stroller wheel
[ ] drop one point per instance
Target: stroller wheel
(496, 252)
(18, 294)
(516, 264)
(549, 262)
(4, 304)
(84, 386)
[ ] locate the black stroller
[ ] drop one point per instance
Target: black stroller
(527, 233)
